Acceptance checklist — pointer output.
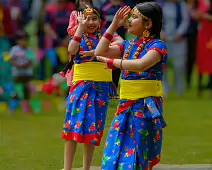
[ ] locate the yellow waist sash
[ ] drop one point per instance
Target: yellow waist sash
(137, 89)
(93, 71)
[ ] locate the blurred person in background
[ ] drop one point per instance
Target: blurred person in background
(22, 69)
(204, 45)
(6, 28)
(56, 23)
(98, 3)
(26, 6)
(191, 41)
(16, 12)
(176, 22)
(41, 36)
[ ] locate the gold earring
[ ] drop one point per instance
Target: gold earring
(146, 33)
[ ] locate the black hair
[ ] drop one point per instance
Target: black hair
(22, 35)
(153, 11)
(78, 5)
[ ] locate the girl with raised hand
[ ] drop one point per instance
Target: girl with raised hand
(135, 137)
(90, 93)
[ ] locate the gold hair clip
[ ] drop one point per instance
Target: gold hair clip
(89, 11)
(143, 16)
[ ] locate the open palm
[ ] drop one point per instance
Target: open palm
(121, 16)
(81, 19)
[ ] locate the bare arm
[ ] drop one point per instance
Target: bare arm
(73, 46)
(150, 59)
(104, 49)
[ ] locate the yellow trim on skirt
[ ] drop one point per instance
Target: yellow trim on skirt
(137, 89)
(92, 71)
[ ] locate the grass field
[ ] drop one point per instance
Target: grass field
(33, 142)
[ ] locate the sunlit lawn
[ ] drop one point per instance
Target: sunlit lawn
(33, 142)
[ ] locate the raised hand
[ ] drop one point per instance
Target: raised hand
(121, 16)
(81, 19)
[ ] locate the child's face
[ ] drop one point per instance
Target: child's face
(137, 25)
(93, 23)
(23, 42)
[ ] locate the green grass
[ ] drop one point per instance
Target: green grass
(34, 142)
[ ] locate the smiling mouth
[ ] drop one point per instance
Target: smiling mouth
(91, 27)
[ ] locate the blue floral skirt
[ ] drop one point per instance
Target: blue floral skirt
(86, 111)
(135, 137)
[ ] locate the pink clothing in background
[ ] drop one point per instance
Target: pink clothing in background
(73, 24)
(204, 6)
(52, 7)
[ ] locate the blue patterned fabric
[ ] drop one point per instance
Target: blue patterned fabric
(87, 105)
(135, 137)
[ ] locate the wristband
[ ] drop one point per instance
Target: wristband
(108, 36)
(110, 64)
(78, 39)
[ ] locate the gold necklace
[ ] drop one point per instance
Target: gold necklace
(87, 41)
(139, 49)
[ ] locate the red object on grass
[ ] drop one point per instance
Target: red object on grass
(50, 87)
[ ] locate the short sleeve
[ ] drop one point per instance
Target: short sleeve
(73, 24)
(159, 46)
(122, 46)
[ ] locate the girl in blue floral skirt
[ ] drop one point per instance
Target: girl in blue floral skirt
(90, 92)
(135, 137)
